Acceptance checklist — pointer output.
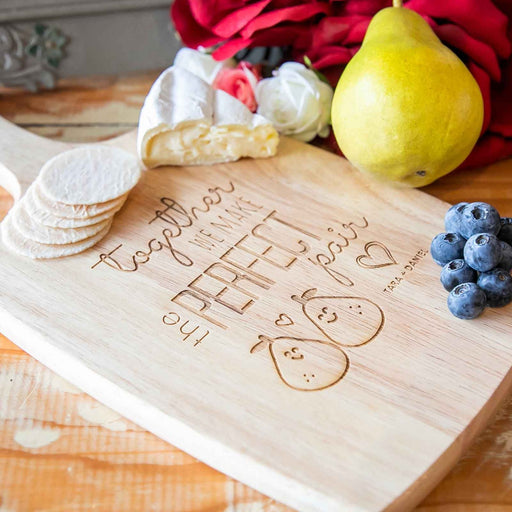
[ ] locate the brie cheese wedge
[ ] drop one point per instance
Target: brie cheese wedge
(184, 121)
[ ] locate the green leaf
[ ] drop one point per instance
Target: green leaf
(53, 61)
(320, 76)
(32, 49)
(39, 29)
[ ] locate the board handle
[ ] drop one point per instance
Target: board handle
(21, 156)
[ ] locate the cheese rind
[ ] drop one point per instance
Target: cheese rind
(184, 121)
(201, 64)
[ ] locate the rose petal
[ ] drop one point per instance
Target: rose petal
(288, 14)
(490, 148)
(281, 4)
(231, 48)
(331, 56)
(357, 32)
(275, 36)
(480, 18)
(238, 82)
(476, 50)
(251, 72)
(501, 119)
(209, 12)
(191, 33)
(334, 29)
(365, 7)
(484, 82)
(235, 21)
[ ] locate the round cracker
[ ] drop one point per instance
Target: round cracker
(33, 230)
(47, 218)
(73, 211)
(17, 243)
(89, 175)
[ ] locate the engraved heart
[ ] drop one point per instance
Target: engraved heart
(377, 255)
(284, 320)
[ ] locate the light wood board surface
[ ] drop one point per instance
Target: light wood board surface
(234, 489)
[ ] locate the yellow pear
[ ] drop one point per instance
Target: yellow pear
(406, 109)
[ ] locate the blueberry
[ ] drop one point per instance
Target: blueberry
(446, 247)
(466, 301)
(479, 218)
(452, 217)
(457, 272)
(497, 285)
(506, 257)
(505, 233)
(482, 252)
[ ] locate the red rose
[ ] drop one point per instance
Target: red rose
(240, 83)
(330, 33)
(243, 23)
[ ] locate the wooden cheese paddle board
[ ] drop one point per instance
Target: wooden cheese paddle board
(279, 319)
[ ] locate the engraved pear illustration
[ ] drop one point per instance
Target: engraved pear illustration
(305, 365)
(347, 321)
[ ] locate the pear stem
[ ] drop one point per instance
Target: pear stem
(397, 3)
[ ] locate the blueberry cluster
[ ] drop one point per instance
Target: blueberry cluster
(476, 256)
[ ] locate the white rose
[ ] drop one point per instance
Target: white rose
(200, 63)
(296, 101)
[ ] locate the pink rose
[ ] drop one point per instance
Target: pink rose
(240, 82)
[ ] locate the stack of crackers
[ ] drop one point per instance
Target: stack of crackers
(71, 205)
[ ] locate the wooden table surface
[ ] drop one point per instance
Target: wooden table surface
(60, 450)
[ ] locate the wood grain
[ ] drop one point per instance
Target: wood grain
(481, 479)
(82, 110)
